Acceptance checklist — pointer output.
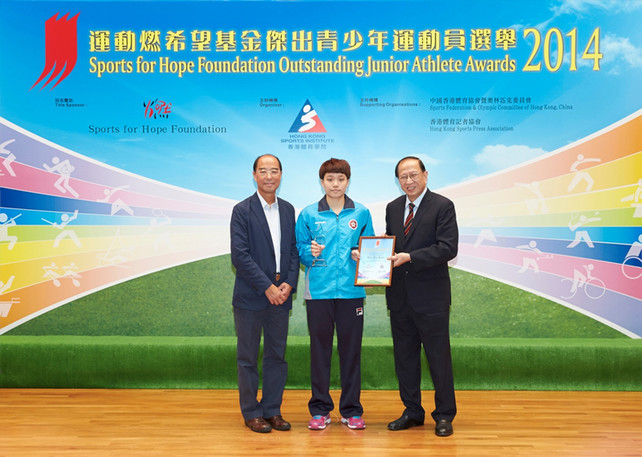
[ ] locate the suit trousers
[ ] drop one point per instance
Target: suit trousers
(273, 323)
(347, 316)
(410, 330)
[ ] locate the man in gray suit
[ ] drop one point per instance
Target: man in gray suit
(425, 228)
(264, 253)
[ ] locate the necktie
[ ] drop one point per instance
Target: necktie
(408, 222)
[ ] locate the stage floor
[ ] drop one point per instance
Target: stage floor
(177, 423)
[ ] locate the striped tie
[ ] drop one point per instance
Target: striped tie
(408, 223)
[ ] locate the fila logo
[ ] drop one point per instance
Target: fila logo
(61, 49)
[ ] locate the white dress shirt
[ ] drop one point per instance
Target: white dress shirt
(274, 222)
(417, 202)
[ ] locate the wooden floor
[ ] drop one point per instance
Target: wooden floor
(130, 423)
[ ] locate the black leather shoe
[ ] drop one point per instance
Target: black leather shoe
(403, 423)
(444, 428)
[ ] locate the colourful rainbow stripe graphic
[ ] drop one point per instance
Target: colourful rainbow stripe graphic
(72, 226)
(566, 226)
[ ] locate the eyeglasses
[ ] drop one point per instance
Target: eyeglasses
(412, 176)
(270, 171)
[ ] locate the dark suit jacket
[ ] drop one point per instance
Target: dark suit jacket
(253, 253)
(424, 283)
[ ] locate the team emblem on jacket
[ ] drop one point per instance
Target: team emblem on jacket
(353, 224)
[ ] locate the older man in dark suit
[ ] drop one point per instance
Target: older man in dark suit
(264, 253)
(425, 228)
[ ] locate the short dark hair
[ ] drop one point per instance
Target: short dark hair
(334, 166)
(421, 164)
(256, 162)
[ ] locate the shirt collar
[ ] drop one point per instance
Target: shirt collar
(323, 204)
(266, 205)
(418, 200)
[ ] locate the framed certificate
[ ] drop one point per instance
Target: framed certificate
(373, 266)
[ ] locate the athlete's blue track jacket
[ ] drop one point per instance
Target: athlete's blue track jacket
(342, 232)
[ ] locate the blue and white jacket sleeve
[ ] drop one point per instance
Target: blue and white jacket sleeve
(304, 239)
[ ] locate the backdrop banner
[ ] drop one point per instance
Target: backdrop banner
(128, 131)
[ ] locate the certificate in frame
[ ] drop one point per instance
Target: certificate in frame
(373, 266)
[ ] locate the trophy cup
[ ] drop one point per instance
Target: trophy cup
(319, 237)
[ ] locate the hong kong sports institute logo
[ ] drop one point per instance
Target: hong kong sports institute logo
(61, 49)
(307, 121)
